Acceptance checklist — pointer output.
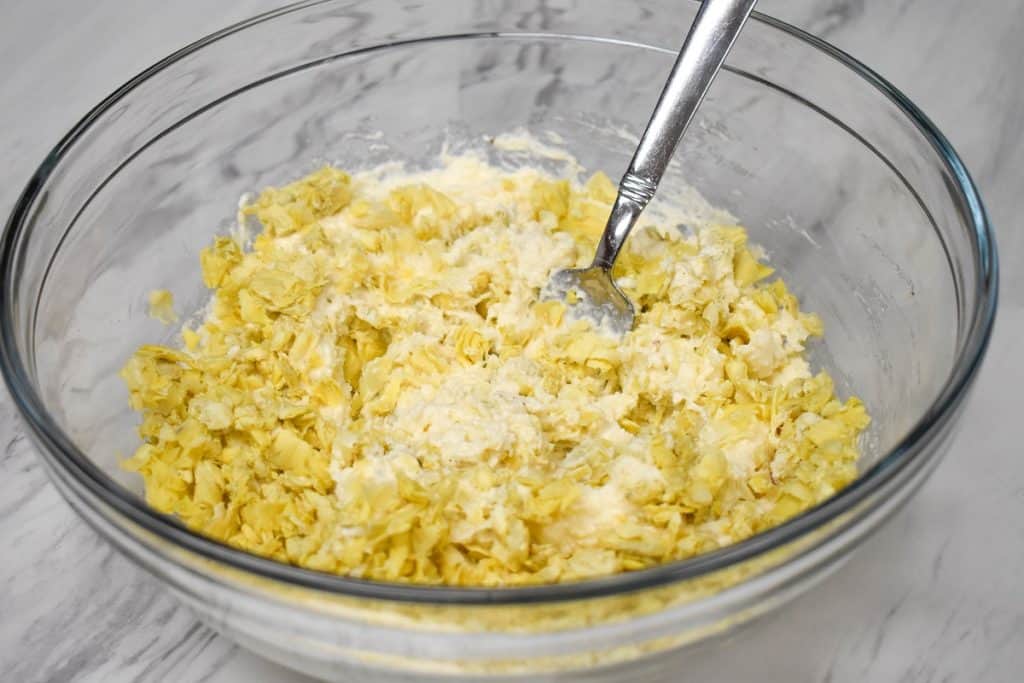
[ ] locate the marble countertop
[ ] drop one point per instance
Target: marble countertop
(935, 596)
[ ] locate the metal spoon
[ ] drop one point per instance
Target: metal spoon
(595, 294)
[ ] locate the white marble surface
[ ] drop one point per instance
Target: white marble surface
(935, 596)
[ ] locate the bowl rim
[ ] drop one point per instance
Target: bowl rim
(65, 454)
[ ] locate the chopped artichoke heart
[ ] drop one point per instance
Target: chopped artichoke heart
(377, 390)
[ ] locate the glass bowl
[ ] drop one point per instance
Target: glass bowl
(861, 203)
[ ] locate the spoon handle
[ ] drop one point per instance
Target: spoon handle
(711, 36)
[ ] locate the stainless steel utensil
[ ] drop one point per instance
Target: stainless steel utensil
(594, 293)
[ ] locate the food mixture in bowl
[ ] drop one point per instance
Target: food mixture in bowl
(376, 388)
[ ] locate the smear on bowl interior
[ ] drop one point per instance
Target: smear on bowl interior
(376, 389)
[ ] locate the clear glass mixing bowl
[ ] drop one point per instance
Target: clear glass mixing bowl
(862, 204)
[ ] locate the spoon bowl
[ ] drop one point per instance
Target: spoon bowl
(592, 293)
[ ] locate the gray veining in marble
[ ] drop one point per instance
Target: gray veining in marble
(935, 596)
